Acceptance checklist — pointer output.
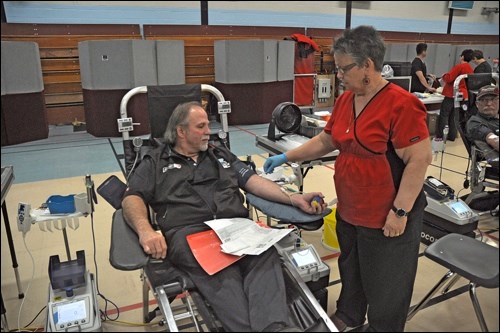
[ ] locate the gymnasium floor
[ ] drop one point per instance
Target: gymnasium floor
(58, 165)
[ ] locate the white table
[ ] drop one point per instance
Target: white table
(289, 142)
(432, 99)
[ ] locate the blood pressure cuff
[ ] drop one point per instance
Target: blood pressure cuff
(282, 212)
(244, 171)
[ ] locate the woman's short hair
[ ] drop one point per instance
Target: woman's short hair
(362, 43)
(178, 118)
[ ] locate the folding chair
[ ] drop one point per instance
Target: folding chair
(467, 257)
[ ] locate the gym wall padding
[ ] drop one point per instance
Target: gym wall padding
(253, 103)
(246, 61)
(286, 51)
(170, 62)
(117, 64)
(255, 75)
(23, 112)
(110, 68)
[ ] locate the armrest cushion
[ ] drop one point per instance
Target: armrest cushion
(125, 252)
(282, 212)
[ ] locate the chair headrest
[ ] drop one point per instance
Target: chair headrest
(476, 81)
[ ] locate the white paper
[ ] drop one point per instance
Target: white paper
(241, 236)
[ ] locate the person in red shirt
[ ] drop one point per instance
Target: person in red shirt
(447, 111)
(380, 130)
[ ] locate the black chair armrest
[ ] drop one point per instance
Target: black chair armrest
(284, 213)
(125, 252)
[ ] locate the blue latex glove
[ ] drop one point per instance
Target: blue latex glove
(274, 161)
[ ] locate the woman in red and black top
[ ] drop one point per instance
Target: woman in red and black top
(381, 133)
(447, 111)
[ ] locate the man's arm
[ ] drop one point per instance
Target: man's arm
(478, 131)
(424, 82)
(269, 190)
(492, 140)
(135, 213)
(316, 147)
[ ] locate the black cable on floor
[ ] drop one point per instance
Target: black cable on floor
(31, 322)
(104, 314)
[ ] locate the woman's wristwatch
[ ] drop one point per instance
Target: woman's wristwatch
(400, 212)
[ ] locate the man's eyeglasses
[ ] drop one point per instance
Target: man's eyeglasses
(488, 100)
(345, 69)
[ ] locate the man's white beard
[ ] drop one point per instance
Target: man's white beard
(204, 146)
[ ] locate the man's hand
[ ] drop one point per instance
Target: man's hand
(274, 161)
(492, 140)
(154, 244)
(306, 203)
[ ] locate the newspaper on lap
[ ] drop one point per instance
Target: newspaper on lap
(241, 236)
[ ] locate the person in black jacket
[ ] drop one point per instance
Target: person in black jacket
(482, 66)
(187, 182)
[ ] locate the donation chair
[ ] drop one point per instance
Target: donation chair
(466, 257)
(482, 172)
(168, 283)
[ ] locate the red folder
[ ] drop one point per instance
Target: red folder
(206, 249)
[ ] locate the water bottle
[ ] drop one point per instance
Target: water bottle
(446, 130)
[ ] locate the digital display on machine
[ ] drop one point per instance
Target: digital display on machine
(70, 312)
(435, 182)
(224, 107)
(402, 81)
(458, 207)
(304, 258)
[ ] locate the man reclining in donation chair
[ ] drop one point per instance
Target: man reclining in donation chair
(481, 135)
(186, 182)
(482, 128)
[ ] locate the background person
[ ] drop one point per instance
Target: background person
(419, 71)
(447, 110)
(186, 182)
(482, 66)
(380, 130)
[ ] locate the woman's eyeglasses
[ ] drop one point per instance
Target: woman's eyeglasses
(345, 69)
